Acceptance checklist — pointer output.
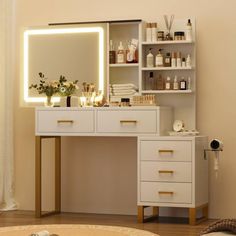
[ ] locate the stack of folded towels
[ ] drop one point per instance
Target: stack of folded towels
(118, 91)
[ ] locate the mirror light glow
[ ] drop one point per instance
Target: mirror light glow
(54, 31)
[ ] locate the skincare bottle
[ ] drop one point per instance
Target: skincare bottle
(168, 83)
(173, 59)
(189, 83)
(188, 61)
(151, 81)
(183, 62)
(189, 36)
(154, 32)
(112, 54)
(148, 32)
(150, 59)
(178, 60)
(121, 54)
(175, 84)
(159, 59)
(160, 83)
(167, 61)
(183, 84)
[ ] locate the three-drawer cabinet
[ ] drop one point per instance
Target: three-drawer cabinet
(172, 172)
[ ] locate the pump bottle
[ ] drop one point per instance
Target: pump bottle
(159, 59)
(121, 54)
(150, 59)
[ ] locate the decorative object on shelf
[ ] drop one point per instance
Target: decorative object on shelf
(178, 125)
(88, 95)
(144, 100)
(49, 88)
(168, 26)
(67, 88)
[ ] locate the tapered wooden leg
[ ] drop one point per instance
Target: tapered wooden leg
(140, 214)
(193, 214)
(142, 218)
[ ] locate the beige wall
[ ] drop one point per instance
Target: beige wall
(216, 113)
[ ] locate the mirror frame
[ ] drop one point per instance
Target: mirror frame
(60, 30)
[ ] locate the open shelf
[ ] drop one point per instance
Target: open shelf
(166, 68)
(124, 65)
(168, 42)
(167, 91)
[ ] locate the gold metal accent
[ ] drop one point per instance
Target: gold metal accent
(166, 192)
(65, 121)
(166, 172)
(128, 121)
(165, 151)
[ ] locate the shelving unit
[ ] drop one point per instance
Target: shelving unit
(182, 101)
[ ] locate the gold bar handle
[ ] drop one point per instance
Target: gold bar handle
(165, 151)
(128, 121)
(166, 192)
(65, 121)
(166, 172)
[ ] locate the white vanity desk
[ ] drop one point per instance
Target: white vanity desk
(171, 170)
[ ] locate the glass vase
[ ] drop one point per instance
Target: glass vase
(48, 102)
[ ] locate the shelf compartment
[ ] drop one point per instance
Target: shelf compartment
(124, 65)
(166, 68)
(167, 91)
(168, 42)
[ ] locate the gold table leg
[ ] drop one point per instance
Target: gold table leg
(38, 176)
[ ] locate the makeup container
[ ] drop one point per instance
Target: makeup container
(150, 59)
(148, 32)
(183, 84)
(168, 83)
(160, 36)
(179, 35)
(112, 54)
(120, 54)
(173, 59)
(154, 32)
(178, 60)
(167, 60)
(175, 84)
(159, 59)
(189, 35)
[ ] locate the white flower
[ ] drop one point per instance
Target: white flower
(62, 89)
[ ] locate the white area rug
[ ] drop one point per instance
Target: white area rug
(74, 230)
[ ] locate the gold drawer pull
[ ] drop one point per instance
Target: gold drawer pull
(65, 121)
(128, 121)
(165, 151)
(166, 192)
(166, 172)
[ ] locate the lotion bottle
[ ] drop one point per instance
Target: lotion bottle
(121, 54)
(189, 35)
(188, 61)
(150, 59)
(159, 59)
(175, 84)
(168, 83)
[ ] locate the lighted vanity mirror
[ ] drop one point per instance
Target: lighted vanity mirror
(78, 53)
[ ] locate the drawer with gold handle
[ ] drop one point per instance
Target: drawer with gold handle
(166, 171)
(166, 150)
(128, 122)
(65, 121)
(166, 192)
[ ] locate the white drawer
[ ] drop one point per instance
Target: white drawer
(166, 171)
(166, 150)
(65, 121)
(166, 192)
(127, 121)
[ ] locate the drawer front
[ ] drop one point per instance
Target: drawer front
(127, 121)
(166, 192)
(166, 150)
(65, 121)
(166, 171)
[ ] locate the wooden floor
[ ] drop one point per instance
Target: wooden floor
(163, 227)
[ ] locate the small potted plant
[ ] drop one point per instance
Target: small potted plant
(67, 89)
(49, 88)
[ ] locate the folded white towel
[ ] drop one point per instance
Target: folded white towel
(127, 86)
(124, 91)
